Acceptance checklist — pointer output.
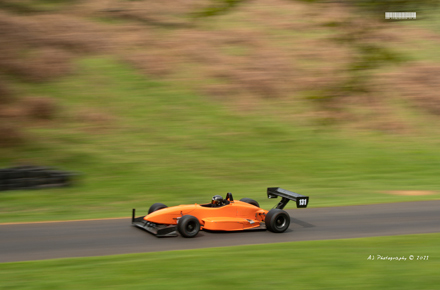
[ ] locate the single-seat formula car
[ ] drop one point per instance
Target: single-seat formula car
(219, 215)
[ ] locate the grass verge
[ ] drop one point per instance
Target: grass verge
(333, 264)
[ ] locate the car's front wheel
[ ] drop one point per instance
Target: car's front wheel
(188, 226)
(277, 220)
(156, 206)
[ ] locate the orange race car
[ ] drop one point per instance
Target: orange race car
(219, 215)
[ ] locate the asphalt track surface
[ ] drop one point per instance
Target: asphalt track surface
(37, 241)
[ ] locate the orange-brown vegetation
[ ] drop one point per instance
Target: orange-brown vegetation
(10, 134)
(417, 82)
(94, 121)
(411, 192)
(39, 108)
(261, 49)
(40, 48)
(5, 93)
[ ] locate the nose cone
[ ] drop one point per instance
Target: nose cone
(169, 215)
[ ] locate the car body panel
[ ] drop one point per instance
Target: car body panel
(236, 215)
(230, 224)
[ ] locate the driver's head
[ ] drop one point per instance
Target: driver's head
(217, 200)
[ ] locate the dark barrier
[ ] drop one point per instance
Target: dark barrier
(34, 177)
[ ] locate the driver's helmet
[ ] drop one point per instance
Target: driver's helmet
(217, 200)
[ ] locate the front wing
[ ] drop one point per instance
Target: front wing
(159, 230)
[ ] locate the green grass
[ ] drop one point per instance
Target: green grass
(166, 144)
(35, 6)
(334, 264)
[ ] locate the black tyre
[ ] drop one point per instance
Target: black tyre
(156, 206)
(250, 201)
(188, 226)
(277, 220)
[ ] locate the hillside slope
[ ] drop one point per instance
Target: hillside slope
(151, 105)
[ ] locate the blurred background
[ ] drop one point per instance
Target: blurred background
(175, 101)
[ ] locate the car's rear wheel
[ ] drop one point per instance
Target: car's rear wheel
(250, 201)
(156, 206)
(277, 220)
(188, 226)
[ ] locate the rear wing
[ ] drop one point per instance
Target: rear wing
(301, 200)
